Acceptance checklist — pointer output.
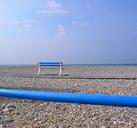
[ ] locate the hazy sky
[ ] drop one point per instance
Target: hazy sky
(73, 31)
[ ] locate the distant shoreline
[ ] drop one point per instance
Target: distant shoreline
(94, 65)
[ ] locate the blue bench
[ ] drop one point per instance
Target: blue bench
(50, 64)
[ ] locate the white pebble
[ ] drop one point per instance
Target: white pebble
(1, 126)
(103, 127)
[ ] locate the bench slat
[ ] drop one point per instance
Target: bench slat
(50, 63)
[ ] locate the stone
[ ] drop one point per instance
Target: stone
(2, 106)
(103, 127)
(1, 126)
(9, 120)
(11, 106)
(5, 110)
(114, 122)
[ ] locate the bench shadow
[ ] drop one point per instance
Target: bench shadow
(53, 75)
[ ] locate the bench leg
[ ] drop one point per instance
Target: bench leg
(60, 72)
(38, 71)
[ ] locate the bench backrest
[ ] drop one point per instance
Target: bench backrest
(44, 64)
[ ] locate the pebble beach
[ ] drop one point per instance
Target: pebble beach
(115, 80)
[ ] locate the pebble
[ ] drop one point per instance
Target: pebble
(6, 110)
(114, 122)
(8, 120)
(1, 126)
(103, 127)
(11, 106)
(2, 106)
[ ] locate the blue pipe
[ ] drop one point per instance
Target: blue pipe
(110, 100)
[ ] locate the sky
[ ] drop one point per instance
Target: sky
(72, 31)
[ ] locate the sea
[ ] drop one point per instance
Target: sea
(69, 65)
